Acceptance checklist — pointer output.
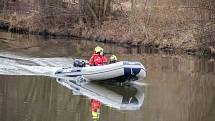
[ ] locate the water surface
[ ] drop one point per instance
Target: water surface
(181, 86)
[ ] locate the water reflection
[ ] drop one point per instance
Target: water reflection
(53, 47)
(114, 95)
(122, 97)
(95, 106)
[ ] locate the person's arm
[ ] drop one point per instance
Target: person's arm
(91, 61)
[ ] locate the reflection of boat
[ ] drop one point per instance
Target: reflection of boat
(124, 97)
(123, 70)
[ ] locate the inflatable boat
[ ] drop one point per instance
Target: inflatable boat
(122, 70)
(122, 97)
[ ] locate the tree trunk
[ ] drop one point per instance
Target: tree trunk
(95, 10)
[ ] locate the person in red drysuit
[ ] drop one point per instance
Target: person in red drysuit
(98, 58)
(95, 109)
(95, 105)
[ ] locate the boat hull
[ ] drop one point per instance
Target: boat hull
(122, 70)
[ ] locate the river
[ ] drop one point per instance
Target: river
(176, 88)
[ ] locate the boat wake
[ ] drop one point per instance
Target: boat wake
(21, 65)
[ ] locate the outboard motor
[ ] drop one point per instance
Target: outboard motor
(79, 63)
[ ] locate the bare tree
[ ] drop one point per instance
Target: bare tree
(95, 10)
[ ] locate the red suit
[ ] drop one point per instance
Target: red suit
(95, 105)
(97, 60)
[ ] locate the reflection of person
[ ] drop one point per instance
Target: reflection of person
(95, 109)
(98, 58)
(113, 59)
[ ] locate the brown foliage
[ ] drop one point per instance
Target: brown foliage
(186, 24)
(176, 24)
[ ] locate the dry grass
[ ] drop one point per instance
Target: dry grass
(181, 24)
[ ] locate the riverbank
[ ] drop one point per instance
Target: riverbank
(116, 32)
(162, 27)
